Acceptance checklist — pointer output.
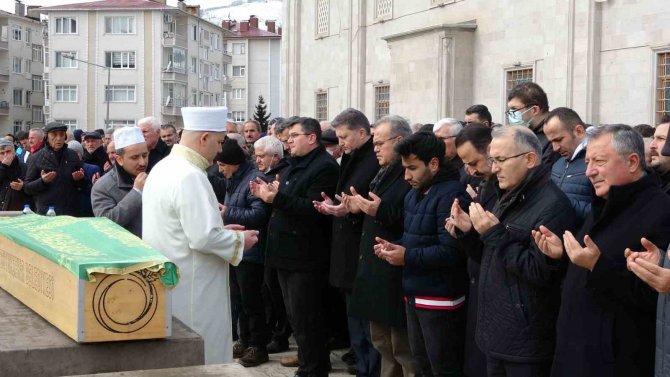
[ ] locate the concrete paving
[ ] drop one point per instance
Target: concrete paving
(30, 346)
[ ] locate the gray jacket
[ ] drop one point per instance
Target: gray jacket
(113, 197)
(663, 328)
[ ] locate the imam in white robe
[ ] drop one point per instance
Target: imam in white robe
(180, 218)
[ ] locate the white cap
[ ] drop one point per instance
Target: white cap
(212, 119)
(126, 136)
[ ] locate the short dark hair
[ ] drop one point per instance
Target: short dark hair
(309, 126)
(567, 116)
(665, 119)
(645, 130)
(166, 126)
(12, 136)
(258, 125)
(22, 135)
(425, 145)
(478, 135)
(428, 127)
(288, 122)
(530, 94)
(481, 111)
(353, 119)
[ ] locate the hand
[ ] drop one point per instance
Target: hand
(327, 207)
(16, 185)
(234, 227)
(459, 219)
(107, 166)
(250, 238)
(9, 157)
(369, 207)
(95, 178)
(140, 180)
(78, 175)
(645, 265)
(350, 204)
(482, 220)
(548, 243)
(262, 190)
(222, 211)
(392, 253)
(48, 177)
(471, 192)
(585, 257)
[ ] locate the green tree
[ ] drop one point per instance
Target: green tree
(260, 115)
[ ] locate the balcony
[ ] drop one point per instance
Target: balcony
(172, 73)
(4, 75)
(174, 40)
(227, 57)
(226, 82)
(4, 44)
(4, 108)
(172, 106)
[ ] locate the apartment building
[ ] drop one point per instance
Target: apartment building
(428, 59)
(132, 58)
(21, 86)
(255, 67)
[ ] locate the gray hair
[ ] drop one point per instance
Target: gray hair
(455, 126)
(399, 125)
(524, 139)
(625, 140)
(153, 121)
(38, 131)
(76, 146)
(239, 138)
(270, 145)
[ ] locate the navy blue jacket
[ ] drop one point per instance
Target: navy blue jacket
(435, 264)
(245, 209)
(570, 177)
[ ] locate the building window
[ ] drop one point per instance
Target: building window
(16, 32)
(38, 53)
(29, 35)
(205, 53)
(38, 115)
(27, 64)
(120, 59)
(239, 116)
(239, 49)
(321, 102)
(662, 85)
(37, 83)
(382, 97)
(194, 32)
(66, 93)
(62, 60)
(17, 65)
(217, 71)
(18, 97)
(194, 98)
(70, 123)
(18, 126)
(518, 76)
(176, 60)
(383, 9)
(238, 93)
(120, 25)
(194, 65)
(322, 17)
(120, 93)
(66, 25)
(120, 123)
(215, 41)
(239, 71)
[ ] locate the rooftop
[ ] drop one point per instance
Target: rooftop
(110, 5)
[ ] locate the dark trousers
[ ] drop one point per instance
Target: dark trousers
(249, 283)
(436, 338)
(277, 320)
(302, 297)
(501, 368)
(368, 360)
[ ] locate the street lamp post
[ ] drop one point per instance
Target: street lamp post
(109, 71)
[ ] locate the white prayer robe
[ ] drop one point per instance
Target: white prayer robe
(180, 218)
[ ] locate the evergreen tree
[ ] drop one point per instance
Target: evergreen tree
(260, 116)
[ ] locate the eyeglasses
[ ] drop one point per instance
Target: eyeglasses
(500, 160)
(293, 136)
(379, 143)
(512, 112)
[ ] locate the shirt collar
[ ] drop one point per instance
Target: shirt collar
(191, 156)
(580, 147)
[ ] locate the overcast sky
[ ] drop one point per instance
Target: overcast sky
(8, 5)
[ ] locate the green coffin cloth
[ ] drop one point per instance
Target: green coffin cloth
(87, 245)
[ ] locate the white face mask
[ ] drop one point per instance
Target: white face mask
(515, 117)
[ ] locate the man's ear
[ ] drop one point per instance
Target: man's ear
(434, 164)
(633, 163)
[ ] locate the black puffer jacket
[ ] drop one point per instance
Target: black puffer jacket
(570, 177)
(245, 209)
(63, 192)
(519, 286)
(98, 158)
(10, 199)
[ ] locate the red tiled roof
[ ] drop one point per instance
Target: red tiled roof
(251, 33)
(109, 5)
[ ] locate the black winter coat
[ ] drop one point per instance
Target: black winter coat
(606, 323)
(357, 169)
(377, 294)
(98, 158)
(298, 235)
(435, 264)
(519, 286)
(277, 170)
(245, 209)
(158, 153)
(10, 199)
(218, 182)
(64, 192)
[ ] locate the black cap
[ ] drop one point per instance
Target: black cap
(328, 137)
(666, 148)
(55, 126)
(231, 153)
(91, 135)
